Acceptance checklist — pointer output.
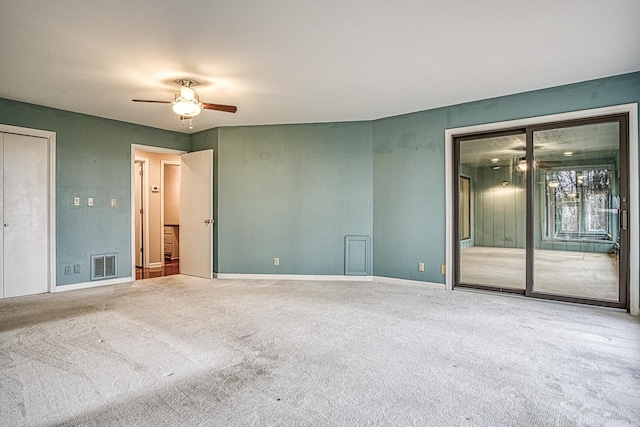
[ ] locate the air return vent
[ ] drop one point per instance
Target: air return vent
(104, 266)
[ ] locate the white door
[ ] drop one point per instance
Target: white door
(25, 162)
(196, 214)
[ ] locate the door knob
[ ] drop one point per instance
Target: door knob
(208, 221)
(6, 225)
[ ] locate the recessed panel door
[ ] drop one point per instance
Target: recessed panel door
(196, 214)
(26, 215)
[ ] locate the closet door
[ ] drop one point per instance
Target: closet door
(25, 210)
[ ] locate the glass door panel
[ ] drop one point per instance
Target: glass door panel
(492, 212)
(576, 200)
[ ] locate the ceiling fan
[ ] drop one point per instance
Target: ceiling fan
(187, 105)
(521, 164)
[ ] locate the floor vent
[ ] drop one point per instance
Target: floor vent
(104, 266)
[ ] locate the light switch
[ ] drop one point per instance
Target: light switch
(76, 201)
(114, 202)
(90, 201)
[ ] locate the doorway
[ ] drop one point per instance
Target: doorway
(151, 198)
(542, 210)
(195, 210)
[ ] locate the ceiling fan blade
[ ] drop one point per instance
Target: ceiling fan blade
(220, 107)
(157, 102)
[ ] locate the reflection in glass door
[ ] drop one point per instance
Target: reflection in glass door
(492, 215)
(578, 193)
(542, 211)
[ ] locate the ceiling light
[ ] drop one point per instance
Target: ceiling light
(568, 153)
(553, 184)
(186, 108)
(495, 160)
(187, 102)
(522, 165)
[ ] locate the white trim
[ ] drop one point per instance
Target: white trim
(634, 184)
(150, 149)
(94, 284)
(145, 209)
(293, 277)
(51, 138)
(634, 215)
(405, 282)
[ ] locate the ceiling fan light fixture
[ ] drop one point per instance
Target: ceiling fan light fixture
(522, 165)
(186, 108)
(187, 93)
(186, 103)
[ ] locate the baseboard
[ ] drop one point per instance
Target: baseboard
(406, 282)
(293, 277)
(94, 284)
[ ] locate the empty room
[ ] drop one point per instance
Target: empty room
(338, 213)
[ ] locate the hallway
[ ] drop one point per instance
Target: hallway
(170, 267)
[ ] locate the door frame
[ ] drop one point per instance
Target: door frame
(132, 219)
(51, 145)
(634, 185)
(144, 241)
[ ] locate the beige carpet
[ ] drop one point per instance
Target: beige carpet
(182, 351)
(579, 274)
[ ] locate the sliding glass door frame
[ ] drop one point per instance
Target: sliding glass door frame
(456, 205)
(623, 268)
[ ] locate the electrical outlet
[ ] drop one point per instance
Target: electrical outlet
(76, 269)
(90, 201)
(443, 269)
(67, 270)
(421, 266)
(76, 201)
(276, 261)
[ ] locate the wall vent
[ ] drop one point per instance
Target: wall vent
(104, 266)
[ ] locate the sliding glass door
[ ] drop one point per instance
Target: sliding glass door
(542, 211)
(492, 211)
(579, 211)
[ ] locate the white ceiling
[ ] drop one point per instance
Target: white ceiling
(301, 61)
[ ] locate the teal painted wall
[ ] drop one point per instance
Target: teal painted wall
(93, 159)
(293, 192)
(409, 170)
(290, 191)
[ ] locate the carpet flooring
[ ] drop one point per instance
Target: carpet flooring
(183, 351)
